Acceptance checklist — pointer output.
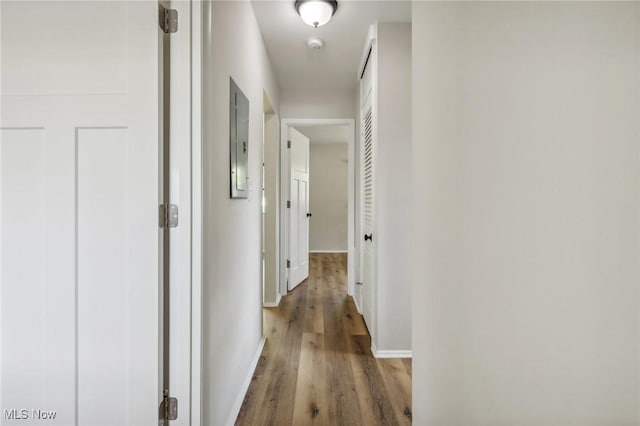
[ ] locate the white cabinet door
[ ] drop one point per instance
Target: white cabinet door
(79, 195)
(298, 218)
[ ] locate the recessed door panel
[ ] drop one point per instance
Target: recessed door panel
(102, 283)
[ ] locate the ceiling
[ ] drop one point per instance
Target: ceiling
(325, 134)
(334, 67)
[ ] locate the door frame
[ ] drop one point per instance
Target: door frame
(286, 123)
(271, 211)
(185, 174)
(196, 212)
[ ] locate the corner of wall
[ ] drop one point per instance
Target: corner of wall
(232, 227)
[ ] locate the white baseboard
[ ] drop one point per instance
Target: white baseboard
(273, 304)
(245, 386)
(390, 354)
(328, 251)
(355, 302)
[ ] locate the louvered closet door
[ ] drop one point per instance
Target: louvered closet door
(367, 252)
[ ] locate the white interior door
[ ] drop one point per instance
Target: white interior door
(79, 194)
(365, 294)
(299, 212)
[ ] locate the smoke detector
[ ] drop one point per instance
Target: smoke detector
(315, 43)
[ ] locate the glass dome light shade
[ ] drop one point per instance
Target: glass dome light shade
(316, 13)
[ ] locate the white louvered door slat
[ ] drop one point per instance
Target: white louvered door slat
(368, 220)
(365, 295)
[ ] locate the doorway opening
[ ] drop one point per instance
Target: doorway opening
(296, 215)
(329, 196)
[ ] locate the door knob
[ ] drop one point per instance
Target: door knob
(368, 237)
(308, 214)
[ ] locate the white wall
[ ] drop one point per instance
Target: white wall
(328, 196)
(525, 181)
(232, 288)
(393, 188)
(318, 104)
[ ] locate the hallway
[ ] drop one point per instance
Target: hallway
(317, 367)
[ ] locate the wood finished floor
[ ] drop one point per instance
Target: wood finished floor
(316, 367)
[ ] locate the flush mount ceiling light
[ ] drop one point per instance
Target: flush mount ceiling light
(316, 12)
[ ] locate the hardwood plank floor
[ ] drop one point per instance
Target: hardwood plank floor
(316, 367)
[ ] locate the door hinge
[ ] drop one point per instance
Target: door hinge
(288, 144)
(288, 263)
(168, 19)
(168, 215)
(168, 408)
(288, 204)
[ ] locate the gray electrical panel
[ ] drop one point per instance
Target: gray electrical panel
(239, 141)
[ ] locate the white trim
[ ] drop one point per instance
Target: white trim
(233, 415)
(185, 191)
(196, 213)
(284, 191)
(328, 251)
(371, 37)
(271, 217)
(355, 302)
(283, 179)
(390, 354)
(273, 304)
